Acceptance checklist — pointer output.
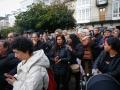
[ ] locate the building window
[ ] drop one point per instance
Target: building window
(116, 9)
(84, 2)
(84, 15)
(102, 12)
(83, 11)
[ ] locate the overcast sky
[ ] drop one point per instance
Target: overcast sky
(6, 6)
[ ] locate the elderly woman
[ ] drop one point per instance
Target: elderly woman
(31, 72)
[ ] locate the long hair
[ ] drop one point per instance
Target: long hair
(56, 45)
(75, 40)
(62, 37)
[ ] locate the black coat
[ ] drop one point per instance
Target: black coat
(108, 65)
(64, 55)
(43, 45)
(8, 64)
(77, 52)
(96, 43)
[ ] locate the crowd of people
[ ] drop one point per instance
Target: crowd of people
(26, 58)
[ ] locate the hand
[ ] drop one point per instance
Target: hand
(56, 58)
(57, 61)
(69, 47)
(10, 79)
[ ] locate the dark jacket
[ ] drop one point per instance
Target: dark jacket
(64, 55)
(42, 45)
(109, 65)
(77, 52)
(97, 41)
(8, 64)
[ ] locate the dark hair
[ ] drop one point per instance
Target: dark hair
(5, 43)
(23, 44)
(56, 45)
(63, 38)
(75, 40)
(114, 43)
(109, 30)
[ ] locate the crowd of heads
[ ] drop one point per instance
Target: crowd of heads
(86, 42)
(85, 35)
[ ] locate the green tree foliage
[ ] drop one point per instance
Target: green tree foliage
(45, 17)
(4, 32)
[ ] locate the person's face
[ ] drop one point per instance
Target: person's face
(115, 33)
(69, 40)
(107, 47)
(2, 48)
(35, 37)
(10, 37)
(107, 34)
(56, 33)
(59, 41)
(40, 37)
(20, 55)
(96, 31)
(45, 36)
(65, 33)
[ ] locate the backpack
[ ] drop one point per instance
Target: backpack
(52, 84)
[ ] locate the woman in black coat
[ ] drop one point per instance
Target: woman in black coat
(60, 57)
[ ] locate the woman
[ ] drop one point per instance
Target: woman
(60, 57)
(108, 61)
(76, 49)
(88, 54)
(31, 72)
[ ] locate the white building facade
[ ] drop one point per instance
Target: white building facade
(83, 11)
(101, 13)
(4, 22)
(116, 10)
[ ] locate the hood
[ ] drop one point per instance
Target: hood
(37, 59)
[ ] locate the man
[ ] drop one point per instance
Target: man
(58, 32)
(37, 44)
(8, 64)
(96, 39)
(11, 37)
